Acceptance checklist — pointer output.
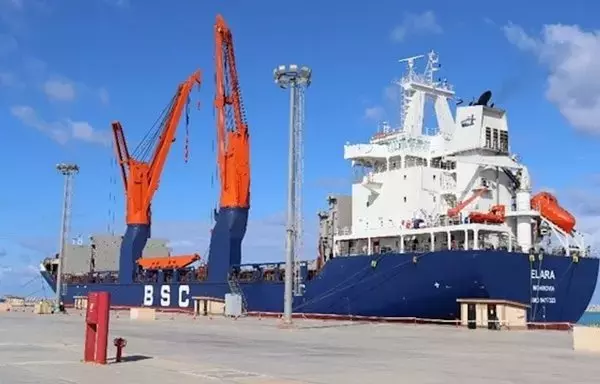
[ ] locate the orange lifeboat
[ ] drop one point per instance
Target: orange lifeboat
(167, 262)
(548, 207)
(494, 216)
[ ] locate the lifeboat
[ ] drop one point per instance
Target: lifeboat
(549, 208)
(494, 216)
(167, 262)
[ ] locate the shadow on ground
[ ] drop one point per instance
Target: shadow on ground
(129, 359)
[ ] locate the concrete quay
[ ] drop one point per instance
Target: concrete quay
(47, 349)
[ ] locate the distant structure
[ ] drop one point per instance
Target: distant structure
(68, 171)
(296, 79)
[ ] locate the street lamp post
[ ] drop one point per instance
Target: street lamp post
(68, 171)
(297, 79)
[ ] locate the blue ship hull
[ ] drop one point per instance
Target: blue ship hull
(423, 285)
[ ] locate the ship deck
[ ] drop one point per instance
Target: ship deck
(179, 349)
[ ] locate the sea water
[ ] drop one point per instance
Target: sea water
(590, 318)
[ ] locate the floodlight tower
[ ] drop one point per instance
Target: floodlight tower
(68, 171)
(297, 79)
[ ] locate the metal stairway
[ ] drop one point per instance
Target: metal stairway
(236, 289)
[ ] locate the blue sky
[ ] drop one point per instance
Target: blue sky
(68, 68)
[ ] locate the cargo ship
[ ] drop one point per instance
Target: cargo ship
(434, 215)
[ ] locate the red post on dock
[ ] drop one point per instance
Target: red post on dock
(96, 327)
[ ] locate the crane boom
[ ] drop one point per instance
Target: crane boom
(456, 210)
(141, 172)
(233, 158)
(141, 178)
(232, 134)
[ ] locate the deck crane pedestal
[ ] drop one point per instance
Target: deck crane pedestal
(233, 157)
(141, 175)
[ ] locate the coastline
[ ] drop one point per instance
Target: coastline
(593, 308)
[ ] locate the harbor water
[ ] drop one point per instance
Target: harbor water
(590, 318)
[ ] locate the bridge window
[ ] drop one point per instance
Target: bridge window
(503, 141)
(495, 139)
(488, 137)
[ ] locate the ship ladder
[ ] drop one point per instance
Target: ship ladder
(236, 289)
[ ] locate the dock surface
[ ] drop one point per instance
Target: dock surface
(48, 349)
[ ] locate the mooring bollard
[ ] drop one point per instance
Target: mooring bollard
(120, 343)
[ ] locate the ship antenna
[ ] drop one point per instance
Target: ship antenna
(68, 171)
(297, 79)
(433, 65)
(405, 92)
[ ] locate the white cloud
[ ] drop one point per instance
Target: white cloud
(584, 205)
(82, 130)
(61, 90)
(489, 21)
(571, 56)
(103, 96)
(60, 131)
(375, 113)
(416, 24)
(391, 93)
(390, 100)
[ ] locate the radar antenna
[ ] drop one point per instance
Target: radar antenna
(411, 65)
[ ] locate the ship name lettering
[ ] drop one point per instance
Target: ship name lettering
(183, 296)
(543, 274)
(543, 288)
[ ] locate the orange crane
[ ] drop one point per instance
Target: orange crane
(233, 158)
(456, 210)
(141, 175)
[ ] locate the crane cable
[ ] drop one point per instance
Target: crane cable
(186, 149)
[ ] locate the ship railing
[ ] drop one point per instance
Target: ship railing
(437, 223)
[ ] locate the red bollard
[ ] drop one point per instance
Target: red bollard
(96, 327)
(120, 343)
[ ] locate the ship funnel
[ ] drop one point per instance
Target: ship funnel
(484, 99)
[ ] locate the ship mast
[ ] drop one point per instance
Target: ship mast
(415, 89)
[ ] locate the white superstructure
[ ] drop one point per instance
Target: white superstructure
(456, 186)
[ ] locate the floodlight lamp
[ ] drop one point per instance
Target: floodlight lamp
(305, 72)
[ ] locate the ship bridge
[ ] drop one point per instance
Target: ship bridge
(455, 186)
